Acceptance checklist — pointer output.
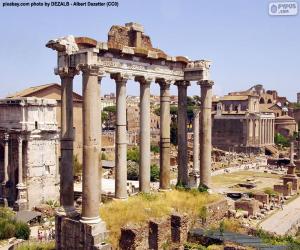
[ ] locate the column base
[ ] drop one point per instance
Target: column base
(20, 205)
(71, 233)
(90, 220)
(194, 179)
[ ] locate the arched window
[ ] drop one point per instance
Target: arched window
(261, 100)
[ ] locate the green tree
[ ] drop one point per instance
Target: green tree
(154, 172)
(281, 140)
(108, 116)
(133, 154)
(154, 148)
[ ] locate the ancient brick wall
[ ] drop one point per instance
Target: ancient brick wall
(228, 132)
(157, 234)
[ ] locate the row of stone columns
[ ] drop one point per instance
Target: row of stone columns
(92, 134)
(267, 131)
(21, 202)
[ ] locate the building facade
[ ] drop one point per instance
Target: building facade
(28, 152)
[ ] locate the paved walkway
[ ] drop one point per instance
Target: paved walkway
(284, 220)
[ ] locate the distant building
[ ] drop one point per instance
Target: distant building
(250, 119)
(298, 98)
(53, 91)
(239, 123)
(29, 142)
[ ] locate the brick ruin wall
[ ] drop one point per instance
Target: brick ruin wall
(170, 232)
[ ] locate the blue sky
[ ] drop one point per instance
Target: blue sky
(246, 45)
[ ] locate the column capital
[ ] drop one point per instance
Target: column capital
(164, 83)
(6, 137)
(121, 77)
(206, 83)
(64, 72)
(144, 79)
(182, 83)
(20, 138)
(92, 70)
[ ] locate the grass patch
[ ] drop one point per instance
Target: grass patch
(37, 246)
(140, 208)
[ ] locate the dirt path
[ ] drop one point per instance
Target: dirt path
(284, 220)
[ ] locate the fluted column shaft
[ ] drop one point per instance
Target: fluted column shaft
(5, 177)
(263, 131)
(182, 157)
(66, 147)
(165, 120)
(144, 168)
(121, 139)
(205, 132)
(91, 145)
(6, 137)
(196, 164)
(20, 161)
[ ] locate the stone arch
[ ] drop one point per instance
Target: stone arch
(261, 100)
(269, 101)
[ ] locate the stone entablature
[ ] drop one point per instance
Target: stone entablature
(127, 51)
(28, 114)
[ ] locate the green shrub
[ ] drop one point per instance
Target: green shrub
(193, 246)
(22, 230)
(132, 171)
(281, 140)
(8, 230)
(133, 154)
(154, 148)
(202, 188)
(154, 172)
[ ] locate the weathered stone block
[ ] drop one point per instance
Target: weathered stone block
(249, 205)
(179, 228)
(286, 190)
(71, 233)
(262, 197)
(159, 233)
(134, 237)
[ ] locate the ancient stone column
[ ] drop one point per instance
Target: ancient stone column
(144, 168)
(20, 160)
(182, 157)
(5, 180)
(165, 120)
(205, 132)
(196, 163)
(21, 203)
(263, 131)
(66, 143)
(121, 138)
(91, 115)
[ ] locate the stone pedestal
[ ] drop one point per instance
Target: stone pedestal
(71, 233)
(3, 199)
(21, 203)
(194, 179)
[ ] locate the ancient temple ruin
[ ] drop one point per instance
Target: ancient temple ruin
(127, 55)
(28, 152)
